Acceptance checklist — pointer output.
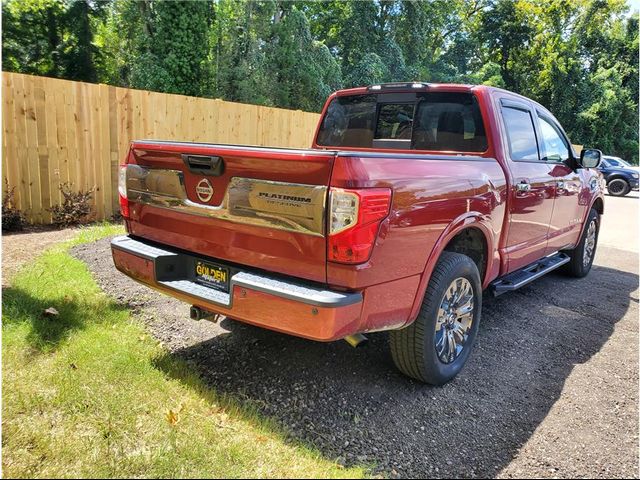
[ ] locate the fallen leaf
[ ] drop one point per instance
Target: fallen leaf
(50, 312)
(172, 417)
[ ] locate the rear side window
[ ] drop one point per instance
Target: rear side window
(423, 121)
(449, 121)
(520, 133)
(349, 122)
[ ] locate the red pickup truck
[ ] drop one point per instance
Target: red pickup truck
(414, 200)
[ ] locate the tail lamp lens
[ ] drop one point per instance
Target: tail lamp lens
(354, 219)
(122, 191)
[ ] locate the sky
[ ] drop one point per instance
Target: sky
(634, 4)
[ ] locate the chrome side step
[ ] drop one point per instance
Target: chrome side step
(528, 274)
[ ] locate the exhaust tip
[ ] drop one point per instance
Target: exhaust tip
(197, 313)
(356, 340)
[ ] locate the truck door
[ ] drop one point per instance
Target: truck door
(566, 219)
(532, 186)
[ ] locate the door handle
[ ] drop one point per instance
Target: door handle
(523, 187)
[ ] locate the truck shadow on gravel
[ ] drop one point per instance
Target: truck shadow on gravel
(353, 405)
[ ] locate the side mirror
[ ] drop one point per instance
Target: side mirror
(590, 158)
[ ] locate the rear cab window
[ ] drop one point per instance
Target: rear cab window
(433, 121)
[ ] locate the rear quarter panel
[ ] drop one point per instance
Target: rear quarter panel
(434, 197)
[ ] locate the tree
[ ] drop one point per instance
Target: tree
(578, 58)
(51, 37)
(32, 37)
(610, 118)
(243, 30)
(172, 51)
(507, 36)
(304, 69)
(368, 71)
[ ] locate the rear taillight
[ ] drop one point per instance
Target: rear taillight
(354, 219)
(122, 191)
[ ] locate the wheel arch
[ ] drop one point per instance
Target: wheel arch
(473, 225)
(598, 205)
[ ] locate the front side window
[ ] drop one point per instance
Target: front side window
(520, 133)
(442, 121)
(554, 145)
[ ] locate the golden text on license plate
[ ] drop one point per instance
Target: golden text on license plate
(212, 275)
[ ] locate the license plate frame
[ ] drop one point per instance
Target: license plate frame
(212, 275)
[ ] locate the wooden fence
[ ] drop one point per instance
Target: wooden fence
(57, 131)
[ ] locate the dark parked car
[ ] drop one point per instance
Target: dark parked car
(620, 179)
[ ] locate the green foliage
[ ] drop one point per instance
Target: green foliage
(610, 118)
(304, 69)
(369, 70)
(578, 58)
(75, 208)
(12, 218)
(171, 56)
(242, 36)
(51, 37)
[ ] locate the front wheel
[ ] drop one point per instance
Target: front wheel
(582, 256)
(435, 347)
(618, 187)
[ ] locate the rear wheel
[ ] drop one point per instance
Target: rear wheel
(618, 187)
(582, 256)
(435, 347)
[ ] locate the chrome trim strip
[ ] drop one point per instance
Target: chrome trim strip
(293, 290)
(231, 146)
(293, 207)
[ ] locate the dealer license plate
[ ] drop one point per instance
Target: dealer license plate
(211, 275)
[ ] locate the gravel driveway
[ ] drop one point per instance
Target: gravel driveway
(551, 389)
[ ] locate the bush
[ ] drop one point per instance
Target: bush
(12, 218)
(75, 208)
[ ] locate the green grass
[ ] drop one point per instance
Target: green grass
(96, 232)
(90, 394)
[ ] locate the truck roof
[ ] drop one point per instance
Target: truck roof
(417, 86)
(405, 87)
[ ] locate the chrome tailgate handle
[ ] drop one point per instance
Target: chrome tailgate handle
(204, 165)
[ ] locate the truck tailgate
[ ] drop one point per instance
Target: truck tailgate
(259, 207)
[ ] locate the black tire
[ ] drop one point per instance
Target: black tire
(618, 187)
(578, 267)
(413, 348)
